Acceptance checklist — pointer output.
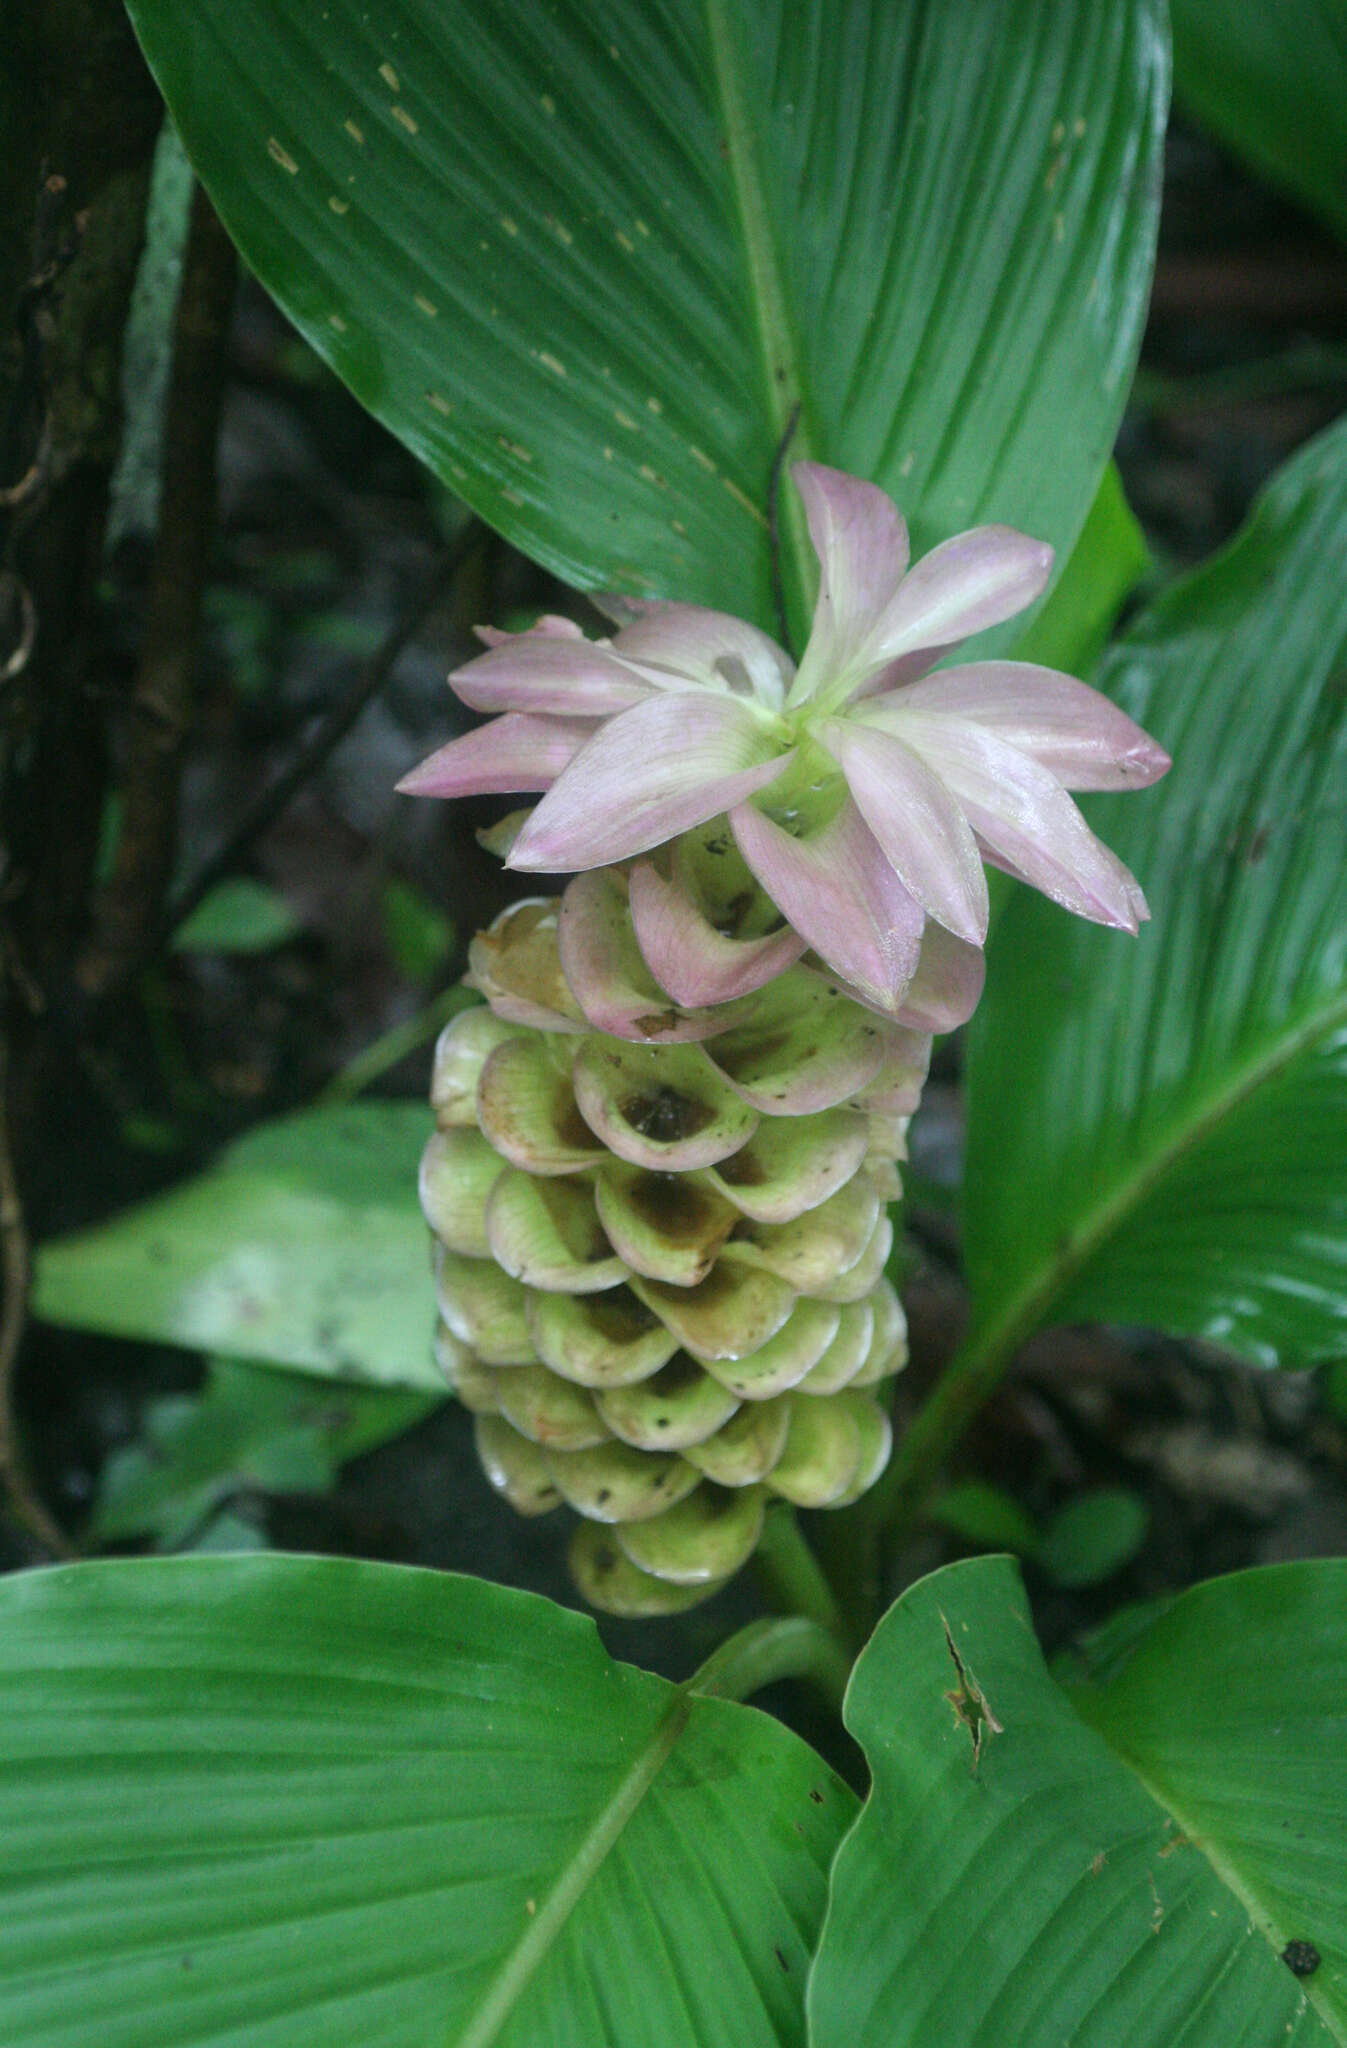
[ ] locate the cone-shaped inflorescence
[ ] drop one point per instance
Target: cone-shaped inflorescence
(661, 1237)
(666, 1143)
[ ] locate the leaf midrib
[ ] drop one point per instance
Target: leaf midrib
(1031, 1304)
(779, 365)
(526, 1958)
(1225, 1872)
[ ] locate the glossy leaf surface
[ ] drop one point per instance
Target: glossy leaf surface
(1158, 1127)
(302, 1246)
(586, 260)
(304, 1803)
(1126, 1862)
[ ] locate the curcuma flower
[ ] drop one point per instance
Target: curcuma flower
(862, 791)
(666, 1142)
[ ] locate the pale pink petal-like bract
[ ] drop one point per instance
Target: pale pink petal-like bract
(513, 753)
(539, 672)
(839, 892)
(1069, 729)
(1026, 818)
(688, 957)
(973, 581)
(860, 538)
(924, 834)
(682, 643)
(648, 774)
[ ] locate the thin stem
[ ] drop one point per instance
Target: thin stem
(792, 1579)
(387, 1051)
(16, 1261)
(774, 529)
(130, 906)
(896, 1504)
(790, 1647)
(311, 754)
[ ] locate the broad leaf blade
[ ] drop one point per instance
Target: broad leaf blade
(302, 1246)
(250, 1429)
(1272, 83)
(586, 260)
(310, 1802)
(1116, 1866)
(1157, 1127)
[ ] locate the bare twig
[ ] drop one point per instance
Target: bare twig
(774, 527)
(311, 754)
(16, 1264)
(21, 653)
(129, 909)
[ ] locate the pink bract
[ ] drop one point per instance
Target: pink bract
(863, 792)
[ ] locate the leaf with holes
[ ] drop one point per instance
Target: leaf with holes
(588, 259)
(1157, 1127)
(306, 1802)
(1151, 1859)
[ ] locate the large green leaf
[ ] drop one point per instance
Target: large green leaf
(1271, 80)
(251, 1429)
(587, 259)
(1122, 1864)
(308, 1803)
(302, 1246)
(1158, 1127)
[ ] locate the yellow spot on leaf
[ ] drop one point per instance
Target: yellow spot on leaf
(281, 156)
(626, 242)
(905, 466)
(699, 455)
(438, 403)
(1078, 126)
(551, 363)
(678, 526)
(513, 448)
(338, 205)
(390, 77)
(742, 498)
(1058, 133)
(655, 404)
(641, 227)
(356, 134)
(512, 497)
(335, 320)
(426, 306)
(625, 420)
(509, 226)
(401, 115)
(547, 103)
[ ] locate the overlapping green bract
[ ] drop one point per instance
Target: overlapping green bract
(660, 1257)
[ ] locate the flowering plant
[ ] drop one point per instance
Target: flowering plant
(605, 271)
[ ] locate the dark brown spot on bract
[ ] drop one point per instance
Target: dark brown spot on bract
(665, 1115)
(672, 1206)
(618, 1316)
(742, 1169)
